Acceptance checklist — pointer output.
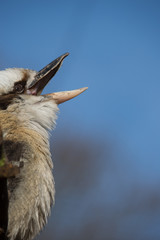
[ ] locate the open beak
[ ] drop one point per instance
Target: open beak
(44, 76)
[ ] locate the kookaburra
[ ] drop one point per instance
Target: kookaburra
(25, 119)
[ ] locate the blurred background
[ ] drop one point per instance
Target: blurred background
(106, 146)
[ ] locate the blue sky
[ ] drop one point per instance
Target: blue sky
(114, 50)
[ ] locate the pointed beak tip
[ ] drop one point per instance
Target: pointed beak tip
(80, 90)
(84, 88)
(64, 55)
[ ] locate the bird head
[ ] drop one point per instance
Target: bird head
(20, 95)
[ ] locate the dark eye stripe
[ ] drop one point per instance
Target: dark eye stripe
(19, 87)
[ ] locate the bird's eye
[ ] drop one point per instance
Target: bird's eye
(18, 88)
